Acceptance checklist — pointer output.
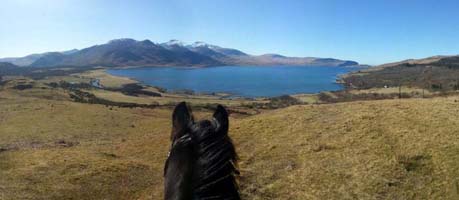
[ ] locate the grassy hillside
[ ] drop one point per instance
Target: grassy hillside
(52, 148)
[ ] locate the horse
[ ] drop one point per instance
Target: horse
(202, 161)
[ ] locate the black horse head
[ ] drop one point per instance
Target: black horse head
(202, 162)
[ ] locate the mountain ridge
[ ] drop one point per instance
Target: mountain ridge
(129, 52)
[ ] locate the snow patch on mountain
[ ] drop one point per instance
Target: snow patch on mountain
(174, 42)
(203, 44)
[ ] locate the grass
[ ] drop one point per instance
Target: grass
(392, 90)
(389, 149)
(52, 148)
(307, 98)
(171, 98)
(116, 155)
(106, 79)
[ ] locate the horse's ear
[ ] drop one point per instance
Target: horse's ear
(181, 120)
(221, 117)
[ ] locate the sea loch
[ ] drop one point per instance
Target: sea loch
(246, 81)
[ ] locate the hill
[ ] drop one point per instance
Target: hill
(7, 68)
(28, 60)
(7, 65)
(129, 52)
(434, 73)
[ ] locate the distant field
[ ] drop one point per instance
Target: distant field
(53, 148)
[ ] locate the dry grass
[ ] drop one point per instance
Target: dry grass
(307, 98)
(171, 99)
(390, 149)
(70, 79)
(392, 90)
(65, 150)
(106, 79)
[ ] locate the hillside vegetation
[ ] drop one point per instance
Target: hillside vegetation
(435, 73)
(53, 148)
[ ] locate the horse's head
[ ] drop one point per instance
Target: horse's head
(202, 159)
(183, 123)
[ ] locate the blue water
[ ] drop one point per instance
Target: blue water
(246, 81)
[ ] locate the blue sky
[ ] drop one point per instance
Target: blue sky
(367, 31)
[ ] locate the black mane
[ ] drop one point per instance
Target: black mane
(203, 161)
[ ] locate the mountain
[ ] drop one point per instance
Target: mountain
(7, 68)
(130, 52)
(29, 59)
(127, 52)
(69, 51)
(7, 65)
(23, 61)
(230, 56)
(275, 59)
